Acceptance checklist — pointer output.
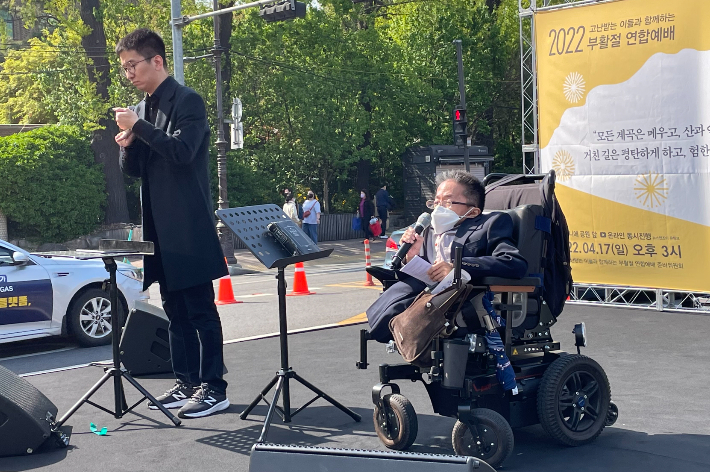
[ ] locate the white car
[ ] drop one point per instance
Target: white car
(44, 295)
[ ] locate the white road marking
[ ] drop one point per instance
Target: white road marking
(37, 354)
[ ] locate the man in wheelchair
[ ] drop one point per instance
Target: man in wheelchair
(473, 360)
(457, 220)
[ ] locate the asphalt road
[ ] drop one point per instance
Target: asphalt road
(657, 365)
(339, 295)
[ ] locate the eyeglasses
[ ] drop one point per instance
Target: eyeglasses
(432, 204)
(131, 66)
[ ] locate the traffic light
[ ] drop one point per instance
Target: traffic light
(460, 127)
(282, 11)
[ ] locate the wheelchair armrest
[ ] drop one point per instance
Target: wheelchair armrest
(526, 284)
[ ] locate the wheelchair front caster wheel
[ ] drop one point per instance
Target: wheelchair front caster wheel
(494, 442)
(396, 425)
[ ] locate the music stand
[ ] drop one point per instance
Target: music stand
(249, 225)
(108, 250)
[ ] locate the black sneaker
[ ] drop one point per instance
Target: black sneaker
(175, 397)
(204, 402)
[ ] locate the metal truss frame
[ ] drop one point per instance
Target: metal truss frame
(584, 294)
(640, 298)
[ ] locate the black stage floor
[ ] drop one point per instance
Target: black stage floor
(657, 362)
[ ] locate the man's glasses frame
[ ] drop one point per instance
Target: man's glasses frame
(130, 68)
(432, 204)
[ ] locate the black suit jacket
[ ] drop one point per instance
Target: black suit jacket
(488, 250)
(172, 160)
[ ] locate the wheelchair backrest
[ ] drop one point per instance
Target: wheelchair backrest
(527, 202)
(530, 240)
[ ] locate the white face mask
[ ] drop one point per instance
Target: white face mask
(362, 195)
(443, 219)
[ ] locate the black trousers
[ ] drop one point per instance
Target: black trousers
(382, 211)
(195, 335)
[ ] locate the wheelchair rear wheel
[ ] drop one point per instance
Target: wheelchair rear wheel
(495, 437)
(396, 425)
(573, 400)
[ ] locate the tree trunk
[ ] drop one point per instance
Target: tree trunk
(102, 142)
(326, 193)
(3, 226)
(364, 167)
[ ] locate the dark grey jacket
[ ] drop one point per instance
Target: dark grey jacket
(171, 158)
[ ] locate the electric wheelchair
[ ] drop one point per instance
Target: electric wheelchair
(568, 394)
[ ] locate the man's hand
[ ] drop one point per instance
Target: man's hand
(416, 240)
(439, 270)
(125, 138)
(125, 118)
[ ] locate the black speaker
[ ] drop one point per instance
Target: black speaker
(272, 457)
(145, 347)
(25, 415)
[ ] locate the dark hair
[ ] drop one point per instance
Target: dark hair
(473, 189)
(145, 42)
(367, 194)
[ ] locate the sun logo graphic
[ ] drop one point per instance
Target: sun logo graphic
(651, 189)
(563, 164)
(574, 87)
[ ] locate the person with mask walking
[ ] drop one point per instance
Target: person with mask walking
(311, 216)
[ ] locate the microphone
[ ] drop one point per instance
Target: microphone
(423, 222)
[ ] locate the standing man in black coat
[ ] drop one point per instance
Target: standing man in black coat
(165, 141)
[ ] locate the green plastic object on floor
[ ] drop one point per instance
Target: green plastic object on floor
(96, 430)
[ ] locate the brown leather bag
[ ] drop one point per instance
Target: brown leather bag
(414, 329)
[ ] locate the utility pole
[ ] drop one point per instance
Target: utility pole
(462, 106)
(225, 234)
(178, 68)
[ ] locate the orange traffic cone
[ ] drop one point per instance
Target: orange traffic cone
(226, 294)
(368, 276)
(300, 285)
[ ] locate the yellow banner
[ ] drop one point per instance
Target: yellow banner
(624, 119)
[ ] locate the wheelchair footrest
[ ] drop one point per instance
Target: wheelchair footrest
(399, 371)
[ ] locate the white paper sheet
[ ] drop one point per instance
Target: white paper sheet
(418, 268)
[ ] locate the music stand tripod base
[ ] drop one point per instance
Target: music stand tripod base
(108, 251)
(249, 225)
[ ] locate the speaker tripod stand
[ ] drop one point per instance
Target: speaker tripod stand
(108, 251)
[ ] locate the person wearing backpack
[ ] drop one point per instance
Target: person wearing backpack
(311, 216)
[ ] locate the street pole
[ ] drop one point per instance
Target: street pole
(178, 67)
(462, 94)
(225, 235)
